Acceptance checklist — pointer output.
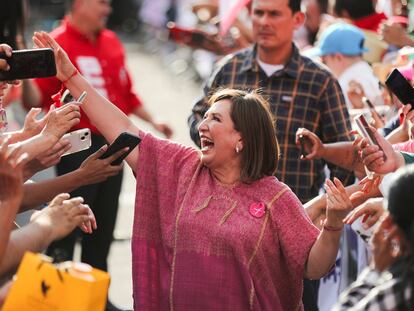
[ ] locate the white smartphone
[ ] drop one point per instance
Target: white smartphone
(79, 140)
(68, 98)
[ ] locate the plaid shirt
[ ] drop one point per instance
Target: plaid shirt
(302, 94)
(374, 291)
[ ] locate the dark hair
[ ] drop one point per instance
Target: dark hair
(401, 201)
(295, 5)
(12, 21)
(401, 207)
(355, 8)
(252, 118)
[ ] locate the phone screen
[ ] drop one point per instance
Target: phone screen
(123, 140)
(365, 131)
(399, 85)
(28, 64)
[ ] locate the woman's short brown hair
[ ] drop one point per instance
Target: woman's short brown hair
(252, 118)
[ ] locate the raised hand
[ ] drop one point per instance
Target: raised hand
(372, 210)
(11, 174)
(373, 155)
(33, 126)
(4, 66)
(64, 66)
(61, 120)
(47, 159)
(94, 170)
(338, 204)
(64, 214)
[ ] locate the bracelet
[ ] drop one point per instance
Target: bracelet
(330, 228)
(74, 73)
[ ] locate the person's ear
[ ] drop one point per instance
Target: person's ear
(240, 145)
(298, 19)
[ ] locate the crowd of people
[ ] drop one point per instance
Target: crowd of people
(280, 205)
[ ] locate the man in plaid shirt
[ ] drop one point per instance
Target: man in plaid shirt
(301, 93)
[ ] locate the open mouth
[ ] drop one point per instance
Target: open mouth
(206, 144)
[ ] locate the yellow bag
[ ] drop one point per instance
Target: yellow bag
(43, 286)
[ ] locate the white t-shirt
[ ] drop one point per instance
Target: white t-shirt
(269, 69)
(362, 73)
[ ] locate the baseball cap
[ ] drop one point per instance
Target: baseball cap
(339, 38)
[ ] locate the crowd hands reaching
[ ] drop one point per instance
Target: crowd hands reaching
(23, 153)
(373, 164)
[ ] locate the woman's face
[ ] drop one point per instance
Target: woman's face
(218, 137)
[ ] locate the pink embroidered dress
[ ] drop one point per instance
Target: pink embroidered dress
(201, 245)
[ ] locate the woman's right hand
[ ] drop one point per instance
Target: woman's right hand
(64, 66)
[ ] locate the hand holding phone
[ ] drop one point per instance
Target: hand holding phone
(28, 64)
(79, 140)
(123, 140)
(365, 131)
(400, 86)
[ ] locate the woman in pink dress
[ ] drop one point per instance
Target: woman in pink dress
(215, 230)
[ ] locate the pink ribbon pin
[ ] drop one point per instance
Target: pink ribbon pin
(257, 209)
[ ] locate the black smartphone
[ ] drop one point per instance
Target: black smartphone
(303, 151)
(400, 86)
(123, 140)
(28, 64)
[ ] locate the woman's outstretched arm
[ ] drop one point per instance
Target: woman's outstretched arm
(107, 118)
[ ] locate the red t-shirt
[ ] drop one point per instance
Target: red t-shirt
(101, 62)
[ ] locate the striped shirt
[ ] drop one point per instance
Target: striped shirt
(302, 94)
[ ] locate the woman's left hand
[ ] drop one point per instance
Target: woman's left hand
(338, 204)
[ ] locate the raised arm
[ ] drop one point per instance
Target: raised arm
(108, 119)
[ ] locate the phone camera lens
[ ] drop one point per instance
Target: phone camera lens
(83, 138)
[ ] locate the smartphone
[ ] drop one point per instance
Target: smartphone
(400, 86)
(365, 131)
(186, 35)
(123, 140)
(79, 140)
(367, 102)
(303, 152)
(28, 64)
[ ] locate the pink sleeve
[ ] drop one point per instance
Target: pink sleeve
(164, 167)
(295, 231)
(407, 146)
